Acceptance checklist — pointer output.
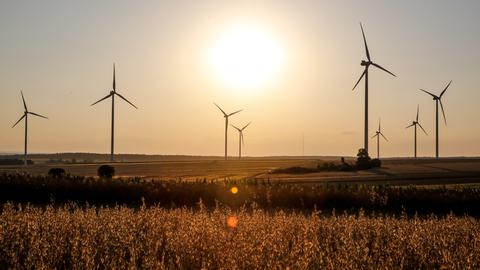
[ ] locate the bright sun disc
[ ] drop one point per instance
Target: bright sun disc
(246, 57)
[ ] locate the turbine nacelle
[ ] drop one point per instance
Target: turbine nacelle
(365, 63)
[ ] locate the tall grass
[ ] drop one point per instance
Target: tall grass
(154, 237)
(267, 195)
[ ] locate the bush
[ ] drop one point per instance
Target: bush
(56, 172)
(106, 171)
(363, 160)
(376, 163)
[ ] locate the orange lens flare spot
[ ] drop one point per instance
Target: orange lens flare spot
(234, 190)
(232, 222)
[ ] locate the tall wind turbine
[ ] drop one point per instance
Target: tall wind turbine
(112, 94)
(226, 124)
(25, 115)
(240, 138)
(379, 133)
(415, 124)
(438, 99)
(366, 64)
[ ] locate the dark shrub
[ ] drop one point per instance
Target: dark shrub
(56, 172)
(376, 163)
(345, 167)
(106, 171)
(363, 160)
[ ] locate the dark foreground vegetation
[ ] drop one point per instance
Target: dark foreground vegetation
(59, 189)
(69, 237)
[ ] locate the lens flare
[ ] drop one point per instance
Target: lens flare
(232, 222)
(234, 190)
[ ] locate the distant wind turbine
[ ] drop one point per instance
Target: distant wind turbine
(226, 124)
(415, 124)
(112, 95)
(240, 138)
(25, 115)
(379, 133)
(366, 64)
(438, 99)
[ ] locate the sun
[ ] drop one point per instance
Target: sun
(244, 56)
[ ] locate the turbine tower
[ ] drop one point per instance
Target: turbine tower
(438, 99)
(415, 124)
(25, 115)
(379, 133)
(240, 138)
(366, 64)
(112, 94)
(226, 124)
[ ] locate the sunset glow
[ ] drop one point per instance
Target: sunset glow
(246, 57)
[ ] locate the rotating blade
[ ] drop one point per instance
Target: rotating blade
(126, 100)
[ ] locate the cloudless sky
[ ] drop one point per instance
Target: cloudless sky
(60, 53)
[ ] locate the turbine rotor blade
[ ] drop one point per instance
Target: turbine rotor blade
(19, 120)
(429, 93)
(411, 126)
(363, 74)
(422, 128)
(126, 100)
(384, 137)
(443, 112)
(220, 109)
(418, 110)
(101, 99)
(114, 77)
(365, 41)
(235, 112)
(239, 130)
(384, 69)
(24, 103)
(39, 115)
(374, 135)
(445, 89)
(246, 125)
(243, 141)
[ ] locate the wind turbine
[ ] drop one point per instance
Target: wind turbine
(366, 64)
(415, 124)
(226, 124)
(25, 115)
(438, 99)
(379, 133)
(240, 138)
(112, 94)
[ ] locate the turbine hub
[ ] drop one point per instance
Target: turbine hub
(365, 63)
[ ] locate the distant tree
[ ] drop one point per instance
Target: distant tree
(56, 172)
(106, 171)
(363, 160)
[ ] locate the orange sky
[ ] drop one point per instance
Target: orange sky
(61, 55)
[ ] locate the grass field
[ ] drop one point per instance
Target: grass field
(393, 217)
(394, 171)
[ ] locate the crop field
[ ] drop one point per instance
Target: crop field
(211, 214)
(393, 171)
(157, 238)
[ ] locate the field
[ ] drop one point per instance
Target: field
(74, 238)
(394, 171)
(184, 214)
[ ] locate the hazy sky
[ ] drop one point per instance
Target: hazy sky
(60, 53)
